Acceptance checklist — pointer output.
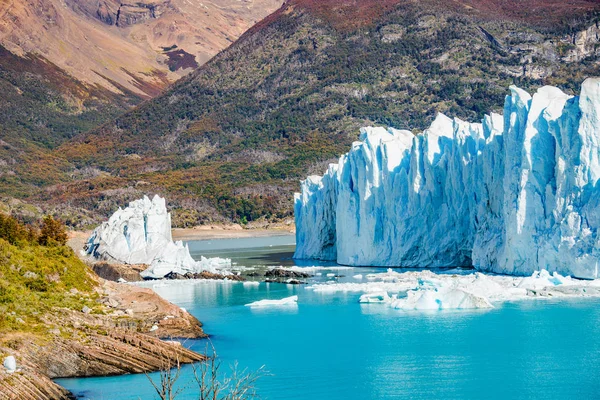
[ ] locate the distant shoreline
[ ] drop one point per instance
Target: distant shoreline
(77, 239)
(208, 232)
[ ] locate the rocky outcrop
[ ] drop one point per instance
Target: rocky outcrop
(117, 352)
(123, 334)
(115, 272)
(285, 273)
(131, 14)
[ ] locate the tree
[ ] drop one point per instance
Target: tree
(212, 384)
(53, 232)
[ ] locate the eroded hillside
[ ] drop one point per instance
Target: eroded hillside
(141, 45)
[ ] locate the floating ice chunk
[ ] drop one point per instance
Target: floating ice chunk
(287, 301)
(330, 275)
(134, 235)
(377, 297)
(450, 299)
(492, 288)
(540, 279)
(251, 283)
(358, 277)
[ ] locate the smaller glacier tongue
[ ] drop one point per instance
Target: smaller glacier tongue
(141, 234)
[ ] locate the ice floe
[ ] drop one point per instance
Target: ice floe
(427, 290)
(287, 301)
(375, 297)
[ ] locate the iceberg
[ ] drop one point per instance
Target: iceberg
(287, 301)
(141, 234)
(375, 297)
(10, 364)
(514, 194)
(450, 299)
(427, 290)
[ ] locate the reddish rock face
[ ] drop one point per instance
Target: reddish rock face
(133, 56)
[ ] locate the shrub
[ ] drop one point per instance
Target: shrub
(53, 232)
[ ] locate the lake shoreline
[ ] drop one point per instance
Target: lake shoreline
(77, 239)
(210, 232)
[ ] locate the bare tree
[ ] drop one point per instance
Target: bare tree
(169, 374)
(212, 384)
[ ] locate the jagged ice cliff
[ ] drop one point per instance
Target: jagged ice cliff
(514, 194)
(141, 234)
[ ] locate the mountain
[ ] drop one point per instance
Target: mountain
(67, 67)
(141, 45)
(232, 139)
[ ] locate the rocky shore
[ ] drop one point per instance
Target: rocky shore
(130, 331)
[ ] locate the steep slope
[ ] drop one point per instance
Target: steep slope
(141, 45)
(237, 135)
(58, 319)
(41, 106)
(69, 66)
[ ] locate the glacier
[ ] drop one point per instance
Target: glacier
(141, 234)
(514, 194)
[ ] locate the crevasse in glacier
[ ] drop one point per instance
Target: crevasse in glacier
(513, 194)
(141, 234)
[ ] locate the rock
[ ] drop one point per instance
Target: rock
(175, 275)
(119, 272)
(154, 328)
(10, 364)
(86, 310)
(111, 302)
(285, 273)
(30, 275)
(514, 194)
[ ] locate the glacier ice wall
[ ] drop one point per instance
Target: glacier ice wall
(141, 234)
(513, 194)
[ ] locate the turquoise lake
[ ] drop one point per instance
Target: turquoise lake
(331, 347)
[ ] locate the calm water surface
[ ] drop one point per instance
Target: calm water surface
(331, 347)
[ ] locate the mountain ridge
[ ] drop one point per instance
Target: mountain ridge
(231, 140)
